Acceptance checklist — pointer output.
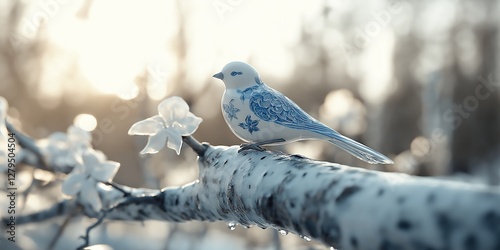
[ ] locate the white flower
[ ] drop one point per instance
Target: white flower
(83, 181)
(173, 122)
(62, 150)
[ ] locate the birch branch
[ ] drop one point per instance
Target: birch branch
(341, 206)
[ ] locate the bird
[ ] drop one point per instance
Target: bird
(261, 116)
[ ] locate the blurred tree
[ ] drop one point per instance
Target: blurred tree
(476, 138)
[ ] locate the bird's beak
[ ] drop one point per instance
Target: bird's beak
(219, 76)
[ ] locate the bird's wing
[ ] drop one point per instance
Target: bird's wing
(272, 106)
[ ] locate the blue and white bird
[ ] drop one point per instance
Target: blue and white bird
(260, 115)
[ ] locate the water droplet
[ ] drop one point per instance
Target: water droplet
(231, 225)
(283, 232)
(305, 237)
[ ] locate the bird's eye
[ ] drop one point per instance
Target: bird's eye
(234, 73)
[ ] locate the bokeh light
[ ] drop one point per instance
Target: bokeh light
(343, 112)
(85, 122)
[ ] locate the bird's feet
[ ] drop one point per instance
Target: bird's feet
(257, 145)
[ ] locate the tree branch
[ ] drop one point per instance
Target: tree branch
(341, 206)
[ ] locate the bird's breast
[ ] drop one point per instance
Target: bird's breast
(238, 116)
(248, 126)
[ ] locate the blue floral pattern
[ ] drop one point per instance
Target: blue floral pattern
(246, 94)
(272, 106)
(231, 110)
(249, 124)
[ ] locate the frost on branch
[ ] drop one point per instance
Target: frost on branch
(341, 206)
(173, 122)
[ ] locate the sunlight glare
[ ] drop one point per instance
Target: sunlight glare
(85, 121)
(157, 91)
(377, 82)
(160, 77)
(112, 49)
(130, 94)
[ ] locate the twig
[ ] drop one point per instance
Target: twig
(119, 188)
(61, 208)
(25, 141)
(86, 237)
(60, 230)
(199, 148)
(28, 144)
(142, 201)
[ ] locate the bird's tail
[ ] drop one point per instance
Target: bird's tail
(359, 150)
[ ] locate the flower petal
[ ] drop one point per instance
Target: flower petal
(105, 171)
(148, 126)
(63, 158)
(58, 137)
(101, 157)
(73, 184)
(77, 134)
(89, 195)
(173, 108)
(155, 143)
(174, 140)
(91, 159)
(189, 124)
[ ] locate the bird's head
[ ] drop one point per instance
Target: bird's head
(238, 75)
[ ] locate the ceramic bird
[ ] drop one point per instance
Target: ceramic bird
(260, 115)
